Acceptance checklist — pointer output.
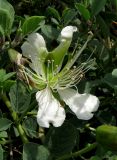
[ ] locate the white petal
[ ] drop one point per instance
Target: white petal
(67, 32)
(81, 104)
(36, 40)
(35, 49)
(50, 110)
(31, 53)
(28, 50)
(32, 46)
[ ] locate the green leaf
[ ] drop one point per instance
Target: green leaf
(31, 24)
(19, 19)
(61, 140)
(83, 11)
(6, 16)
(50, 32)
(7, 85)
(1, 153)
(97, 6)
(114, 3)
(20, 98)
(5, 76)
(33, 151)
(54, 21)
(103, 26)
(95, 158)
(4, 124)
(53, 12)
(1, 31)
(114, 73)
(8, 75)
(68, 15)
(2, 74)
(110, 80)
(30, 127)
(3, 134)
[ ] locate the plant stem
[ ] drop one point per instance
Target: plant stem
(15, 118)
(78, 153)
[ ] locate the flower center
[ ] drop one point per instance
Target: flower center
(56, 78)
(70, 77)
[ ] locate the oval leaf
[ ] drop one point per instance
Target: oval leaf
(33, 151)
(114, 73)
(61, 140)
(30, 127)
(68, 16)
(53, 12)
(4, 124)
(97, 6)
(20, 98)
(6, 17)
(83, 11)
(31, 24)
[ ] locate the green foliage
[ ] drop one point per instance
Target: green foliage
(111, 79)
(31, 24)
(83, 11)
(30, 127)
(5, 83)
(58, 142)
(33, 151)
(68, 15)
(6, 17)
(4, 124)
(20, 98)
(1, 153)
(95, 158)
(97, 6)
(50, 32)
(114, 73)
(54, 13)
(3, 134)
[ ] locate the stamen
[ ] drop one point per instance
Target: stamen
(72, 77)
(32, 76)
(52, 67)
(30, 56)
(56, 70)
(48, 68)
(74, 67)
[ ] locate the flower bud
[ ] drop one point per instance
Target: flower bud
(106, 135)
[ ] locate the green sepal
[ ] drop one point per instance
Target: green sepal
(58, 54)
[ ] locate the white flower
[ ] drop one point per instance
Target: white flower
(50, 75)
